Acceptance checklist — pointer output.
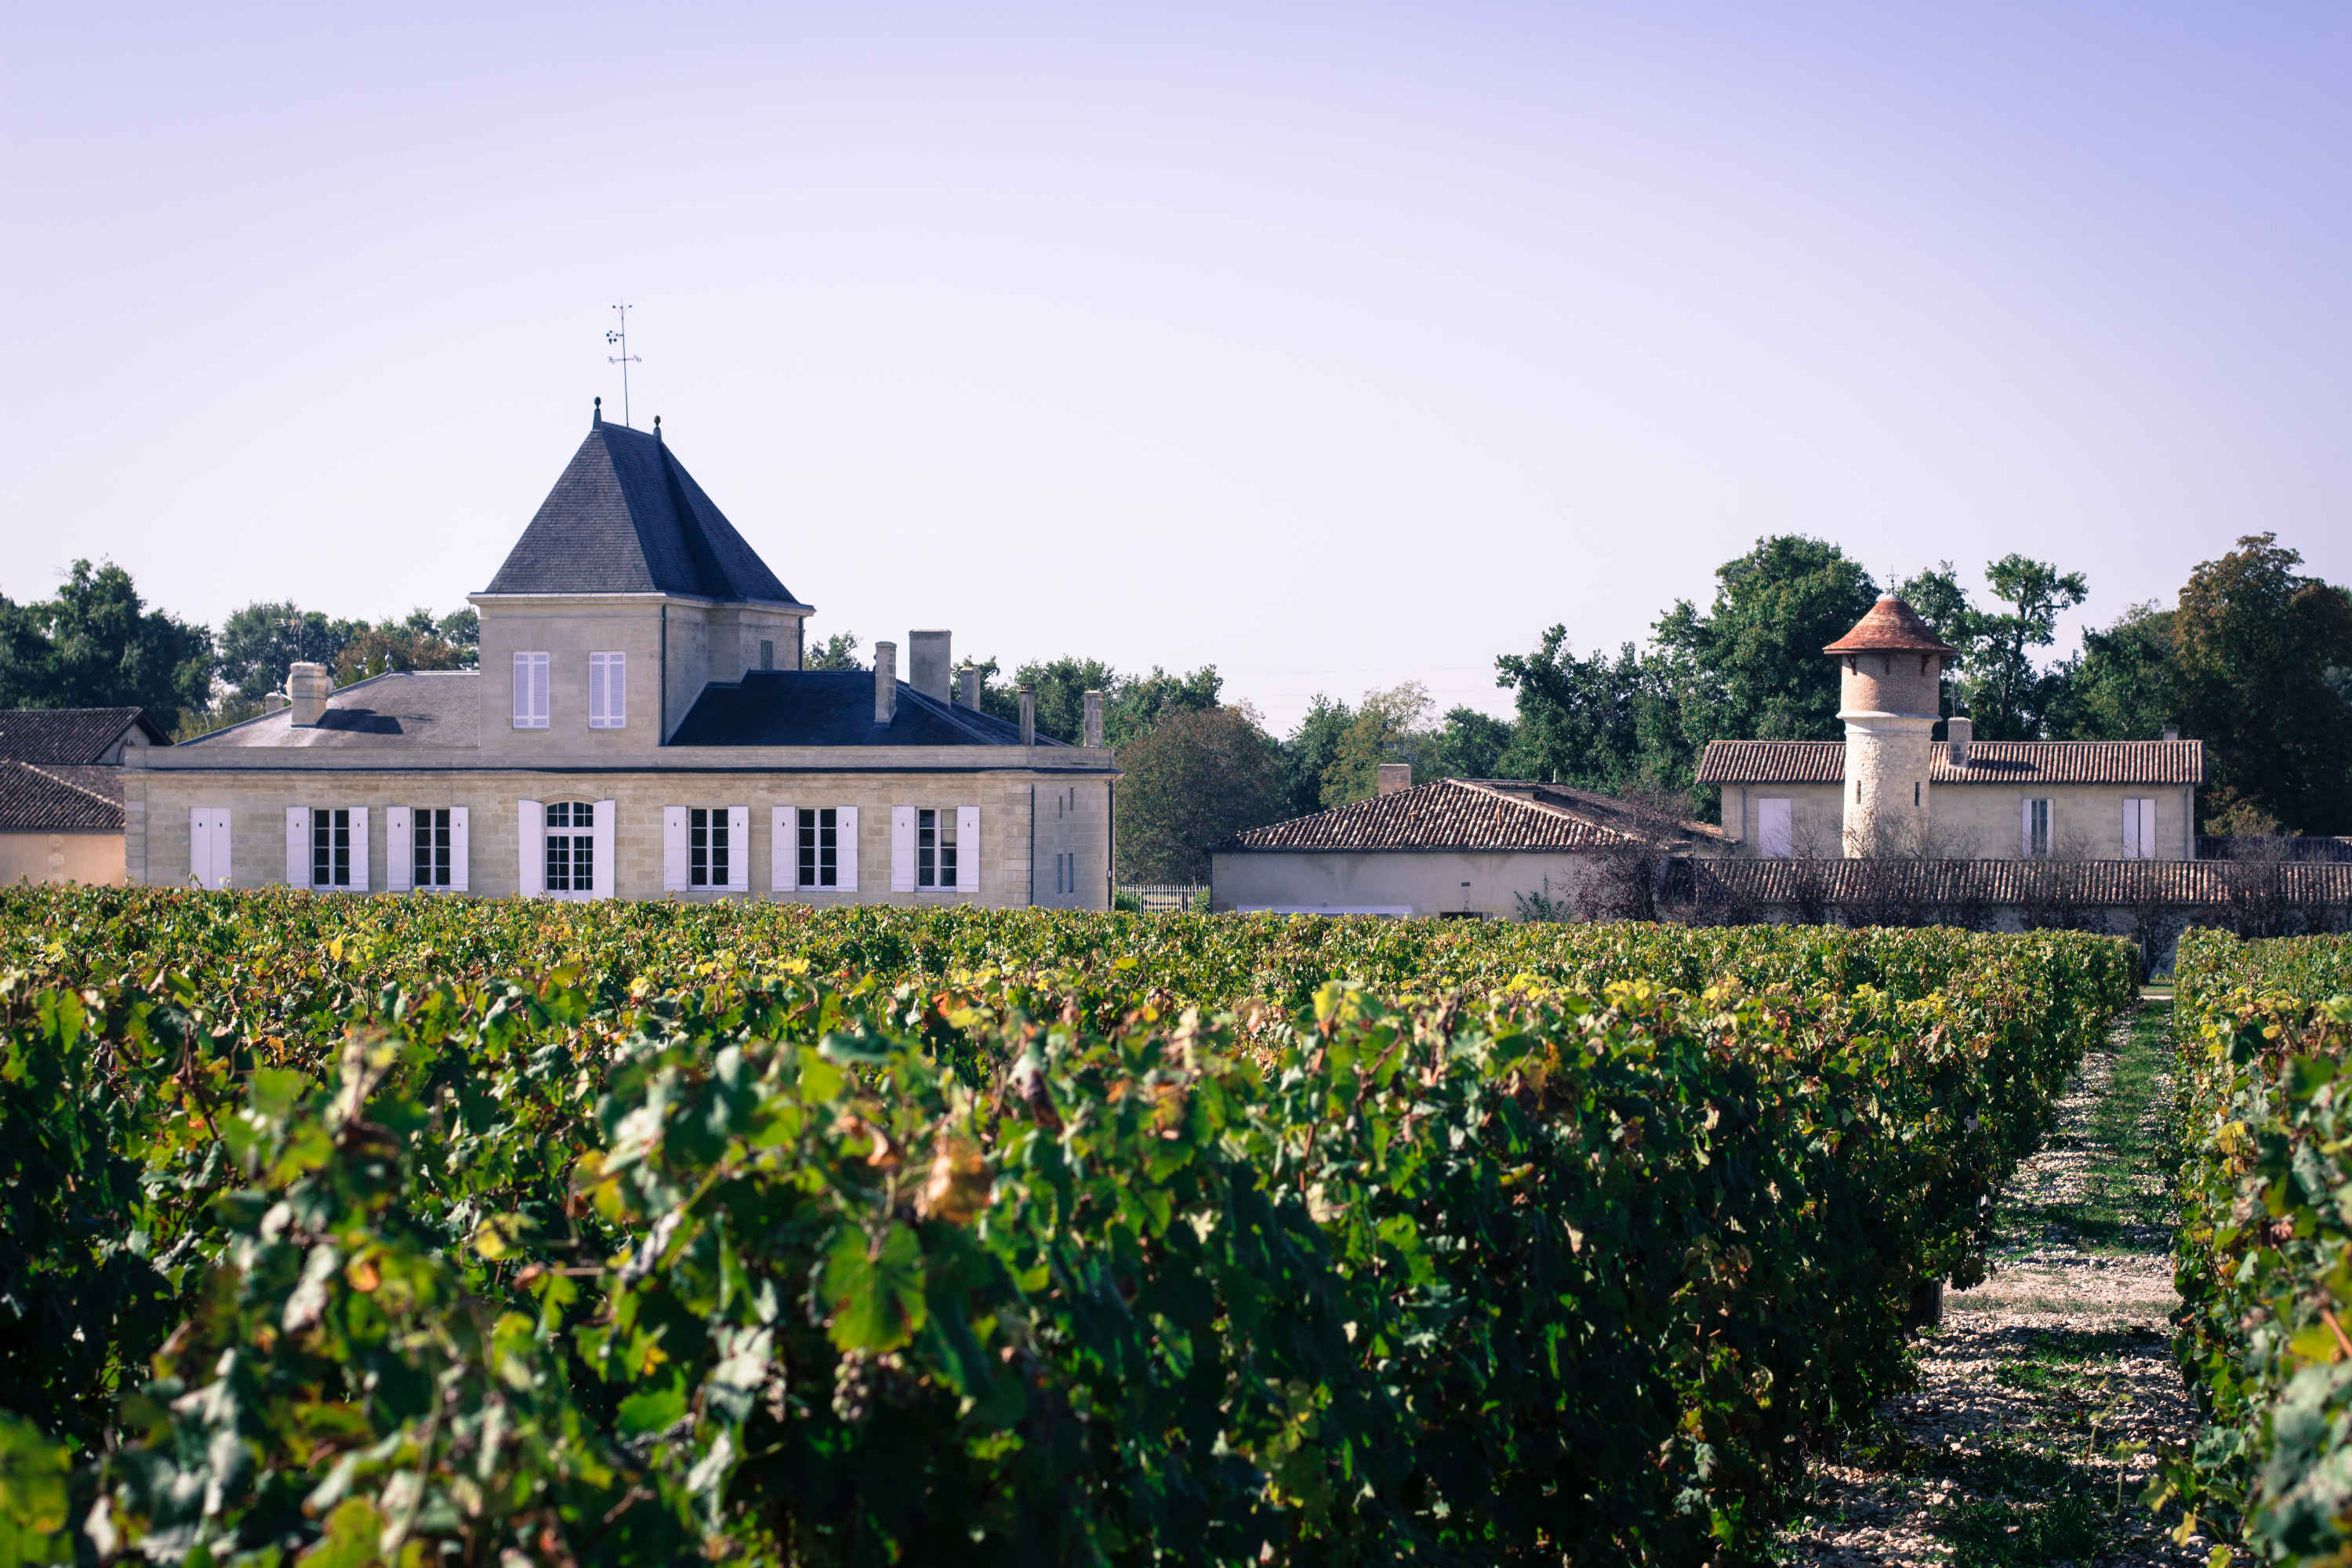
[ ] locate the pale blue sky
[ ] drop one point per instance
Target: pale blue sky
(1335, 347)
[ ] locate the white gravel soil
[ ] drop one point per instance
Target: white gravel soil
(2029, 1436)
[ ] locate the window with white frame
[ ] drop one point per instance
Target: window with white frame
(531, 691)
(935, 848)
(571, 864)
(608, 699)
(2033, 830)
(330, 848)
(819, 846)
(2139, 830)
(430, 846)
(706, 848)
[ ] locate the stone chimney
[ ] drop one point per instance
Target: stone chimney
(967, 687)
(1093, 736)
(271, 701)
(1028, 716)
(886, 682)
(1960, 731)
(1394, 776)
(309, 686)
(927, 664)
(2172, 731)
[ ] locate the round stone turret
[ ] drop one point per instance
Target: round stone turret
(1890, 670)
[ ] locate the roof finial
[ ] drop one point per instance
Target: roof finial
(596, 420)
(656, 426)
(625, 359)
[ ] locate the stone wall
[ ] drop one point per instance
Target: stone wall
(94, 858)
(1421, 882)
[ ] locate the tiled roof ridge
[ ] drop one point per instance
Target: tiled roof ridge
(69, 784)
(1891, 625)
(1389, 822)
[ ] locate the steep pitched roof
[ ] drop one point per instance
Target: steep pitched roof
(1990, 762)
(627, 517)
(831, 708)
(70, 735)
(59, 798)
(1891, 626)
(1459, 813)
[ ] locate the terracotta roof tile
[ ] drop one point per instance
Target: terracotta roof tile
(59, 798)
(1458, 813)
(74, 735)
(1990, 762)
(1891, 625)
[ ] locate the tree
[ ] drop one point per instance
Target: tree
(1389, 727)
(400, 646)
(838, 651)
(261, 642)
(1470, 745)
(1132, 704)
(2123, 686)
(2007, 695)
(97, 645)
(1751, 666)
(1309, 750)
(2255, 642)
(1195, 778)
(1596, 721)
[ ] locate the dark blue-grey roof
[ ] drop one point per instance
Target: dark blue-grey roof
(627, 517)
(831, 708)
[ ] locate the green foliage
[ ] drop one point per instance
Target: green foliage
(261, 642)
(838, 651)
(97, 645)
(1194, 780)
(2265, 1244)
(875, 1235)
(1132, 704)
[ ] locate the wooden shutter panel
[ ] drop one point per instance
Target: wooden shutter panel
(902, 848)
(297, 847)
(966, 849)
(674, 867)
(616, 691)
(738, 848)
(532, 822)
(607, 813)
(399, 849)
(522, 690)
(358, 849)
(595, 691)
(222, 842)
(845, 848)
(784, 849)
(2131, 830)
(459, 849)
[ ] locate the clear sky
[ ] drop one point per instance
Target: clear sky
(1334, 347)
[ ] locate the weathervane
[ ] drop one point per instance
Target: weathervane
(625, 359)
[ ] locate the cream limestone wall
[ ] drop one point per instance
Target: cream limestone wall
(158, 800)
(1421, 882)
(2086, 821)
(92, 858)
(1885, 797)
(1072, 820)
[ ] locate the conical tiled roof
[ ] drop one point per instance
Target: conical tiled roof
(1891, 626)
(627, 517)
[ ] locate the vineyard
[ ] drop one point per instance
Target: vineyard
(412, 1230)
(2265, 1247)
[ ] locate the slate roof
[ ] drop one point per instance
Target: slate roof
(70, 735)
(1891, 626)
(831, 708)
(1990, 762)
(2207, 883)
(627, 517)
(1456, 815)
(438, 708)
(59, 797)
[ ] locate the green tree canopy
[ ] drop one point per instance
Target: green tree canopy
(97, 645)
(259, 643)
(1750, 666)
(1595, 721)
(1195, 778)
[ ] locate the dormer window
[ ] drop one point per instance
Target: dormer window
(531, 691)
(608, 696)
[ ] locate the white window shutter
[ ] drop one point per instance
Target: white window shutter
(616, 691)
(532, 822)
(358, 849)
(738, 848)
(297, 847)
(607, 811)
(208, 846)
(966, 849)
(522, 690)
(458, 849)
(784, 849)
(674, 867)
(399, 849)
(595, 691)
(2025, 830)
(2131, 830)
(539, 705)
(845, 848)
(222, 842)
(902, 848)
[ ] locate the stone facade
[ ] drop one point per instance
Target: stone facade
(94, 860)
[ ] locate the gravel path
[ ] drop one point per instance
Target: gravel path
(2028, 1437)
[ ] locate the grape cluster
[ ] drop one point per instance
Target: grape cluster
(861, 1378)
